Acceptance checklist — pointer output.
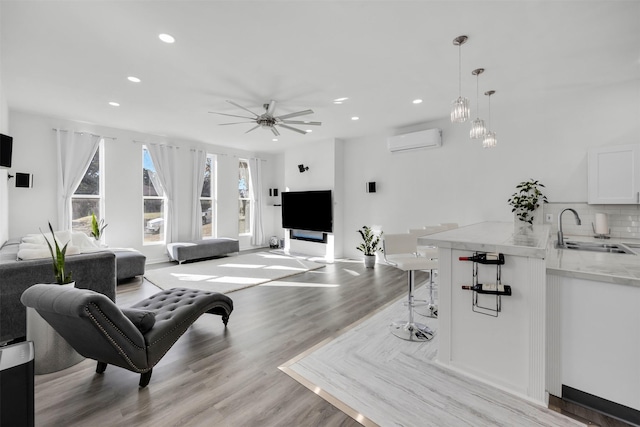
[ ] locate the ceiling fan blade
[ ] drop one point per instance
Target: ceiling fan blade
(301, 122)
(253, 128)
(299, 113)
(231, 115)
(275, 131)
(292, 128)
(240, 106)
(234, 123)
(271, 108)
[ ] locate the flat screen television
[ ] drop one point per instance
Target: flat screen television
(307, 210)
(6, 147)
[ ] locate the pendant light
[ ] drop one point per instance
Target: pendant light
(477, 127)
(490, 139)
(460, 107)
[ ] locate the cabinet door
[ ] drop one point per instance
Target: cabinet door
(614, 174)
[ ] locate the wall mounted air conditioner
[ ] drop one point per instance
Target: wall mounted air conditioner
(429, 138)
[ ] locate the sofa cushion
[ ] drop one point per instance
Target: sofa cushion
(142, 319)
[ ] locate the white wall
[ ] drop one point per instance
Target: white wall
(4, 186)
(464, 183)
(324, 160)
(34, 151)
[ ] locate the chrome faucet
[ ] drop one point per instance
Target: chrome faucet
(560, 235)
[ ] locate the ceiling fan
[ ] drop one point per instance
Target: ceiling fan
(268, 121)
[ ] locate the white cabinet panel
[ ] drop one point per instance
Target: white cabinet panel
(600, 339)
(614, 174)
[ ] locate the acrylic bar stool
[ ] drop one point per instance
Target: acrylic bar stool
(400, 252)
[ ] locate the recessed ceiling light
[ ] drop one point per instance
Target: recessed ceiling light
(308, 131)
(167, 38)
(133, 79)
(114, 104)
(355, 118)
(339, 100)
(275, 139)
(417, 101)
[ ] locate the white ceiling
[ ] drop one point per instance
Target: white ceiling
(68, 59)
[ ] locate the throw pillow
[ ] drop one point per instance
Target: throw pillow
(142, 319)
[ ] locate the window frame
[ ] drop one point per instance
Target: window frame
(213, 197)
(162, 198)
(248, 199)
(101, 186)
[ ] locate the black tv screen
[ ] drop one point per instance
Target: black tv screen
(307, 210)
(6, 147)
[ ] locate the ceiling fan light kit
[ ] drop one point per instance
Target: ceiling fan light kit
(267, 120)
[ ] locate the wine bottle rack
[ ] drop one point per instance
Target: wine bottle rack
(492, 310)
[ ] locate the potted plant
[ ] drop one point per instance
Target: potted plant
(97, 228)
(527, 199)
(58, 258)
(369, 245)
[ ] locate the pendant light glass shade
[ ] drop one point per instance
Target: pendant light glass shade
(478, 128)
(460, 107)
(460, 110)
(490, 140)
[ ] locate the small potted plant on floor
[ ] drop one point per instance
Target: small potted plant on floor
(526, 200)
(369, 245)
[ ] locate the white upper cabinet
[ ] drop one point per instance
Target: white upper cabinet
(614, 175)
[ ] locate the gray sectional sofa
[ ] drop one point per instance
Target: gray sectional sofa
(95, 271)
(98, 271)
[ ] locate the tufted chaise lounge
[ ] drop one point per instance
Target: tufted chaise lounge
(134, 338)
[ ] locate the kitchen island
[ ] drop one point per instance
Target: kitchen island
(571, 322)
(501, 341)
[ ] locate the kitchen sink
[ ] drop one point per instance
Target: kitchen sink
(614, 248)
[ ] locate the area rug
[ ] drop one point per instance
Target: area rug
(230, 274)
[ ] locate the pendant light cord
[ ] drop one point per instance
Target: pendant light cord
(460, 69)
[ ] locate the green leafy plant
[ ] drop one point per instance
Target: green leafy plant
(58, 259)
(370, 241)
(527, 199)
(97, 228)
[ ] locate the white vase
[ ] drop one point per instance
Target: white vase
(52, 353)
(369, 261)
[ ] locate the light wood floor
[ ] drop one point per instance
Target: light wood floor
(218, 377)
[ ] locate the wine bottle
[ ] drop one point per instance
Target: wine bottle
(490, 288)
(485, 258)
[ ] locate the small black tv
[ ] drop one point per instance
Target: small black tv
(307, 210)
(6, 148)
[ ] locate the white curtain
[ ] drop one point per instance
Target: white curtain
(255, 172)
(74, 154)
(198, 158)
(164, 160)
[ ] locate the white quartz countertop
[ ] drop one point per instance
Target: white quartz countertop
(503, 237)
(493, 237)
(622, 269)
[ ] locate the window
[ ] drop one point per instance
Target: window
(87, 198)
(153, 200)
(207, 198)
(244, 202)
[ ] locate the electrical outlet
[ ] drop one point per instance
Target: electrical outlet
(548, 218)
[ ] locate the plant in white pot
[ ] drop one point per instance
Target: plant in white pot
(369, 245)
(97, 227)
(526, 200)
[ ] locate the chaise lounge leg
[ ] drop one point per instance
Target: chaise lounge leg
(145, 378)
(101, 368)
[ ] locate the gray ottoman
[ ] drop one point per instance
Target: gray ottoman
(206, 248)
(129, 263)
